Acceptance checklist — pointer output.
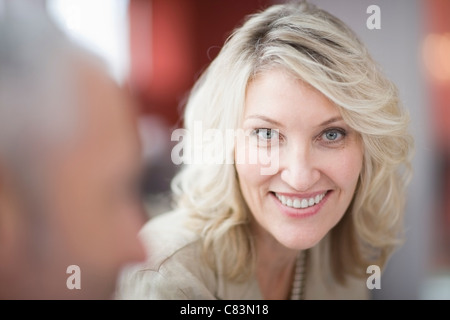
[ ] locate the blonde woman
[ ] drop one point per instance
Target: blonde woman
(315, 191)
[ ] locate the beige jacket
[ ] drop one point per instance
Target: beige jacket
(174, 270)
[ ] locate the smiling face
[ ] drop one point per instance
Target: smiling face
(319, 160)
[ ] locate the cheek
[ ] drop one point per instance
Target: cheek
(344, 168)
(259, 157)
(79, 204)
(249, 177)
(251, 181)
(247, 165)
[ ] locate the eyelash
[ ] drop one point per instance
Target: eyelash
(256, 131)
(341, 131)
(261, 142)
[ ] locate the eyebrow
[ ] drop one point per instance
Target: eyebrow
(278, 124)
(329, 121)
(264, 118)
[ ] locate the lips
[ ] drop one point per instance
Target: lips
(300, 202)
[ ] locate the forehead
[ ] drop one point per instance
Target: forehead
(279, 92)
(106, 132)
(107, 111)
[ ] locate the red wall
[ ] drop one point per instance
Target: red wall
(438, 24)
(172, 41)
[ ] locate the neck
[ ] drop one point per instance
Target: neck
(275, 266)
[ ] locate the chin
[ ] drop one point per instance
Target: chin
(299, 242)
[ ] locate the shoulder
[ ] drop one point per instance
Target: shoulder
(320, 283)
(165, 235)
(174, 268)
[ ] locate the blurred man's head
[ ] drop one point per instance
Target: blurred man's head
(69, 165)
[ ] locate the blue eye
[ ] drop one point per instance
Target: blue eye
(333, 135)
(266, 134)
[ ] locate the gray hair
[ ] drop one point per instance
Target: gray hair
(39, 96)
(37, 80)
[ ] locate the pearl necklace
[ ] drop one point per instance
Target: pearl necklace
(298, 286)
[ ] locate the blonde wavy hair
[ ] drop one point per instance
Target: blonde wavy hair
(320, 49)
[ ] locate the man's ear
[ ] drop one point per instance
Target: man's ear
(13, 231)
(11, 221)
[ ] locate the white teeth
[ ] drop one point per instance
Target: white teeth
(304, 203)
(300, 203)
(317, 199)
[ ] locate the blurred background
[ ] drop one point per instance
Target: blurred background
(158, 48)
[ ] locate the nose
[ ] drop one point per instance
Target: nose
(299, 168)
